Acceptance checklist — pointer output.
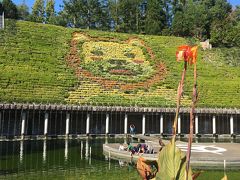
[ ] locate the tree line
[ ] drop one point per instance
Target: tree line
(216, 20)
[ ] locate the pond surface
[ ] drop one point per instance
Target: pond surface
(72, 159)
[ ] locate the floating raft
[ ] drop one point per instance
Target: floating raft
(203, 156)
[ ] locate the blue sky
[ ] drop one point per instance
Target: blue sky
(31, 2)
(59, 2)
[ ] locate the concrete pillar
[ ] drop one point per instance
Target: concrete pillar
(231, 125)
(214, 124)
(23, 124)
(196, 124)
(46, 124)
(88, 124)
(161, 124)
(125, 124)
(67, 124)
(179, 124)
(143, 124)
(107, 123)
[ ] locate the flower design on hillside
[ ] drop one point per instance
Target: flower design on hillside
(124, 65)
(116, 61)
(113, 72)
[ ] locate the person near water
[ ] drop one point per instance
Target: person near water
(121, 147)
(132, 129)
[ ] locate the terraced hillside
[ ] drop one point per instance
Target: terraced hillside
(49, 64)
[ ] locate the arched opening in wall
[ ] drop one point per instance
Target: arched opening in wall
(168, 119)
(10, 123)
(236, 124)
(222, 124)
(77, 122)
(97, 122)
(136, 120)
(57, 123)
(185, 123)
(34, 122)
(116, 122)
(152, 123)
(205, 124)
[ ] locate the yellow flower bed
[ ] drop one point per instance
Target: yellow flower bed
(112, 50)
(88, 90)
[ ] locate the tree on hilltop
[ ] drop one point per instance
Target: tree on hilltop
(23, 11)
(90, 14)
(50, 12)
(155, 17)
(38, 11)
(10, 9)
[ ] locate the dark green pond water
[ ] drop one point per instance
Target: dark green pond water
(72, 159)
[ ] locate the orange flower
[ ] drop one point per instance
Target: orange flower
(194, 54)
(187, 53)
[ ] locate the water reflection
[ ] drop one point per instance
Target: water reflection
(21, 152)
(61, 159)
(56, 159)
(44, 150)
(66, 150)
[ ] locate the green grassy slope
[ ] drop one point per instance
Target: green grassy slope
(34, 69)
(32, 63)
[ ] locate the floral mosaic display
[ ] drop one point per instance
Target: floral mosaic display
(113, 72)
